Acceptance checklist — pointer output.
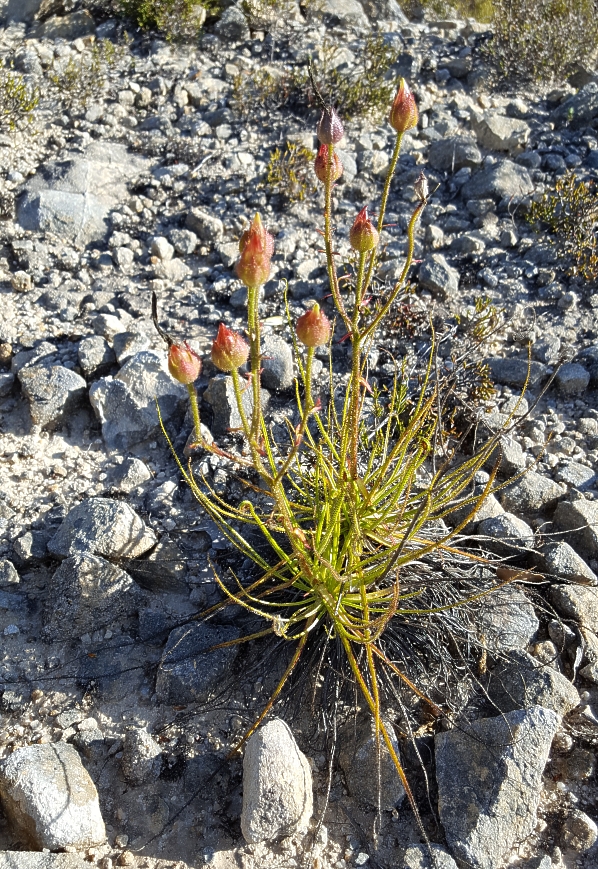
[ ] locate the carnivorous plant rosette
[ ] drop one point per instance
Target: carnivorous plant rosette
(368, 570)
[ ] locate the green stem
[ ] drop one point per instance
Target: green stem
(195, 412)
(309, 402)
(383, 201)
(400, 283)
(257, 461)
(253, 294)
(332, 275)
(308, 406)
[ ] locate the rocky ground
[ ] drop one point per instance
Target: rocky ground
(108, 709)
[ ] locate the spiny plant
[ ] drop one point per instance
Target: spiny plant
(365, 91)
(176, 19)
(82, 80)
(18, 101)
(364, 580)
(481, 10)
(542, 40)
(289, 172)
(570, 213)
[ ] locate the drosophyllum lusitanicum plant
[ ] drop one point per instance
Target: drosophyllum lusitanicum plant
(351, 502)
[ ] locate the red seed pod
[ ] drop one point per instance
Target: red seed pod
(313, 327)
(363, 235)
(256, 246)
(403, 115)
(229, 349)
(183, 363)
(321, 164)
(330, 127)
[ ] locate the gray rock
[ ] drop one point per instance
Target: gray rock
(220, 394)
(229, 253)
(205, 225)
(418, 857)
(576, 602)
(22, 10)
(49, 798)
(506, 620)
(189, 670)
(73, 197)
(53, 393)
(508, 535)
(277, 363)
(384, 10)
(576, 475)
(572, 379)
(562, 560)
(499, 133)
(502, 181)
(103, 527)
(348, 13)
(531, 493)
(489, 783)
(32, 546)
(8, 573)
(128, 475)
(232, 26)
(7, 380)
(128, 344)
(453, 153)
(436, 275)
(87, 593)
(125, 404)
(579, 109)
(183, 240)
(95, 355)
(142, 757)
(36, 860)
(277, 785)
(514, 371)
(69, 27)
(579, 831)
(359, 761)
(512, 457)
(580, 519)
(521, 681)
(161, 248)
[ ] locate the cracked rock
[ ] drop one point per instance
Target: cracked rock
(489, 780)
(277, 785)
(49, 798)
(103, 527)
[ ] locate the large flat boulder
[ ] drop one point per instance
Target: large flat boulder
(72, 197)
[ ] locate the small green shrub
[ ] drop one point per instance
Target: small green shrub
(570, 214)
(176, 19)
(18, 101)
(481, 10)
(365, 91)
(290, 172)
(542, 40)
(84, 79)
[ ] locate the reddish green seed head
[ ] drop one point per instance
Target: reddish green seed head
(321, 164)
(363, 235)
(313, 327)
(256, 246)
(403, 114)
(229, 349)
(183, 363)
(330, 127)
